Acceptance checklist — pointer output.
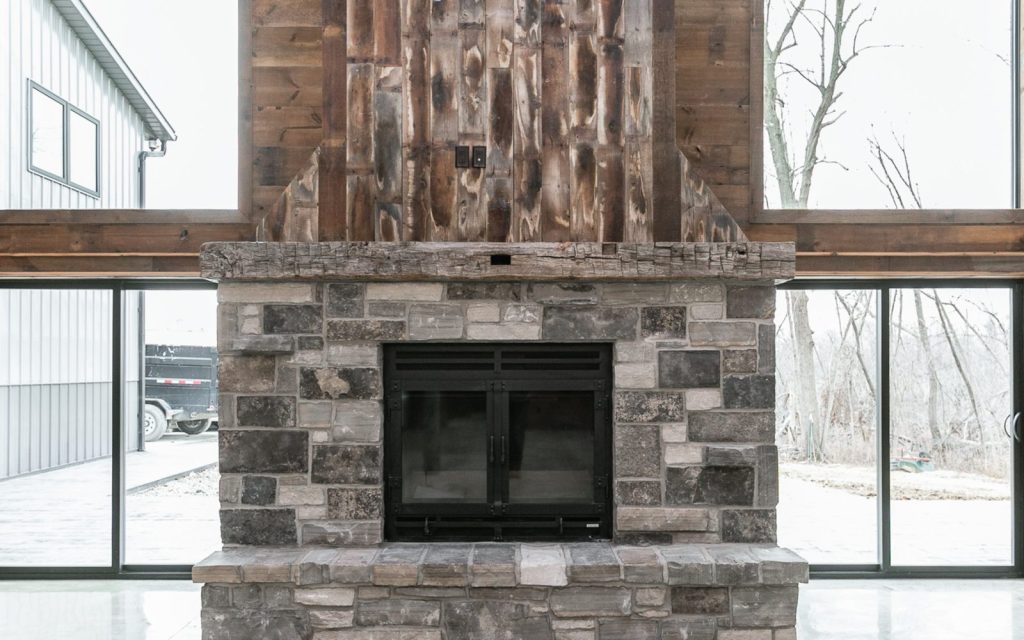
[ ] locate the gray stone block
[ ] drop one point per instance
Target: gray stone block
(734, 564)
(357, 421)
(398, 565)
(293, 318)
(248, 451)
(258, 490)
(724, 426)
(328, 383)
(488, 620)
(590, 602)
(263, 344)
(340, 533)
(689, 369)
(365, 330)
(689, 629)
(213, 597)
(277, 597)
(722, 334)
(485, 291)
(634, 292)
(764, 606)
(589, 323)
(563, 293)
(668, 519)
(593, 563)
(641, 565)
(355, 504)
(723, 455)
(238, 624)
(245, 374)
(750, 302)
(780, 566)
(398, 611)
(637, 452)
(695, 291)
(767, 476)
(493, 565)
(258, 526)
(649, 406)
(689, 566)
(246, 596)
(748, 392)
(709, 485)
(638, 492)
(346, 464)
(446, 565)
(435, 322)
(663, 323)
(309, 343)
(748, 525)
(708, 601)
(766, 349)
(265, 411)
(628, 630)
(344, 300)
(331, 618)
(385, 309)
(739, 361)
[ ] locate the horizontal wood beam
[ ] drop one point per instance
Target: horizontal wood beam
(129, 238)
(495, 261)
(185, 265)
(893, 239)
(120, 216)
(945, 266)
(891, 216)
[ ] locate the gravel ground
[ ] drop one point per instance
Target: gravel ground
(198, 483)
(929, 485)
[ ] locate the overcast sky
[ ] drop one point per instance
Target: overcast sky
(943, 83)
(185, 52)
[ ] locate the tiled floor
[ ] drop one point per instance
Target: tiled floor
(829, 610)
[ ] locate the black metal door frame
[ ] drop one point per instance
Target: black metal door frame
(117, 568)
(884, 568)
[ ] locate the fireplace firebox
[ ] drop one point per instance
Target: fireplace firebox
(501, 441)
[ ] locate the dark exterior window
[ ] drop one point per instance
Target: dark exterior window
(65, 141)
(498, 442)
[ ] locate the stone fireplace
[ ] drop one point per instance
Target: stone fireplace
(688, 550)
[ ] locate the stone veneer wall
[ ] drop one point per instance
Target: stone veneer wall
(300, 385)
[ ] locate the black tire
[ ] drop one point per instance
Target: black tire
(154, 423)
(193, 427)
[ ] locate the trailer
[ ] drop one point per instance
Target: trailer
(181, 389)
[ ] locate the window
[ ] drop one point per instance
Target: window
(65, 142)
(889, 105)
(500, 442)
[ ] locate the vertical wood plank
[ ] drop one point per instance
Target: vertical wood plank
(501, 116)
(361, 82)
(387, 31)
(443, 105)
(416, 94)
(609, 20)
(555, 212)
(472, 13)
(610, 96)
(471, 215)
(500, 33)
(416, 194)
(333, 201)
(636, 19)
(639, 183)
(472, 105)
(499, 208)
(444, 17)
(389, 222)
(360, 30)
(527, 23)
(443, 193)
(527, 170)
(584, 192)
(667, 220)
(638, 102)
(416, 19)
(611, 186)
(583, 85)
(387, 108)
(361, 207)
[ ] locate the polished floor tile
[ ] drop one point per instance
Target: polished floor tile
(99, 610)
(829, 610)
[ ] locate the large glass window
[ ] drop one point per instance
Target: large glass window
(880, 104)
(83, 151)
(47, 133)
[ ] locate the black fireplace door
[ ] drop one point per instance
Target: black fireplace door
(503, 442)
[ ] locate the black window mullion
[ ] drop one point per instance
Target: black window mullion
(883, 430)
(117, 455)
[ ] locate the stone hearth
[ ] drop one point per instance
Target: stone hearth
(694, 463)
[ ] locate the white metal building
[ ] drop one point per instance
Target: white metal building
(75, 122)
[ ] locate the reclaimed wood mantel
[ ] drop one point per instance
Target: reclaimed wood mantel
(425, 261)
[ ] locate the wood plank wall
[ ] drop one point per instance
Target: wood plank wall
(560, 92)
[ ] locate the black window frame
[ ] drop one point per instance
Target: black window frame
(68, 109)
(483, 368)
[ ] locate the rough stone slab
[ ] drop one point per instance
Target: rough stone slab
(493, 565)
(236, 624)
(628, 630)
(642, 565)
(263, 344)
(405, 291)
(542, 565)
(375, 634)
(595, 562)
(399, 612)
(258, 526)
(590, 602)
(245, 293)
(734, 564)
(438, 261)
(490, 620)
(662, 519)
(765, 606)
(446, 565)
(780, 566)
(340, 532)
(688, 565)
(326, 597)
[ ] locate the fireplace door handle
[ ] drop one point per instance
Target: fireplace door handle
(503, 452)
(490, 449)
(1014, 425)
(1006, 420)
